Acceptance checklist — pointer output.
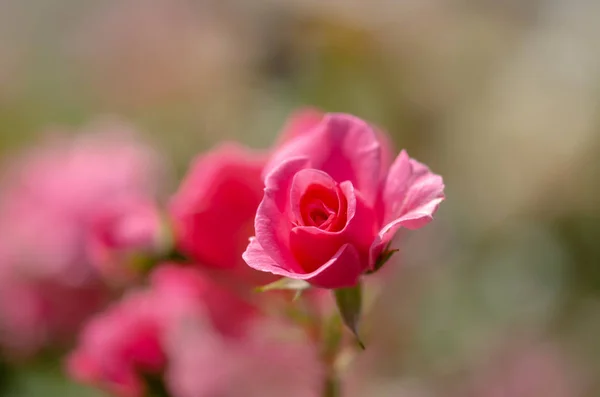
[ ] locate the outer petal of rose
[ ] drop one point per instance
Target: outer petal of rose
(299, 123)
(387, 150)
(342, 270)
(343, 146)
(273, 217)
(411, 195)
(316, 246)
(305, 119)
(214, 208)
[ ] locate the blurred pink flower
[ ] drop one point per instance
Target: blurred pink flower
(36, 314)
(119, 345)
(51, 200)
(199, 332)
(125, 237)
(53, 194)
(332, 203)
(271, 361)
(214, 208)
(182, 292)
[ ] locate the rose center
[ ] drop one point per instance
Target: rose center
(322, 207)
(319, 215)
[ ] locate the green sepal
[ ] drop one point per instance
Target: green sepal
(349, 302)
(385, 256)
(284, 283)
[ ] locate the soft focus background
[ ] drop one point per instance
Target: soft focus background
(500, 297)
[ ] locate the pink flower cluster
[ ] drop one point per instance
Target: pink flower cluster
(202, 338)
(52, 248)
(82, 222)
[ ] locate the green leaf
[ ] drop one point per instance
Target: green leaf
(349, 302)
(285, 284)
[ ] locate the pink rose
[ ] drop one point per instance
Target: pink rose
(121, 346)
(214, 208)
(332, 203)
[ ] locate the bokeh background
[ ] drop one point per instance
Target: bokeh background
(500, 296)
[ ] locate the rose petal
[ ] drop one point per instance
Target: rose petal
(335, 262)
(343, 146)
(387, 150)
(411, 195)
(301, 182)
(312, 247)
(304, 120)
(342, 270)
(273, 217)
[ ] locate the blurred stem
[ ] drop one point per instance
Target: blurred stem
(326, 332)
(6, 376)
(331, 340)
(332, 386)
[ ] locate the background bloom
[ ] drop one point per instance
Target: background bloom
(52, 196)
(271, 360)
(36, 314)
(126, 237)
(330, 207)
(214, 208)
(120, 346)
(209, 340)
